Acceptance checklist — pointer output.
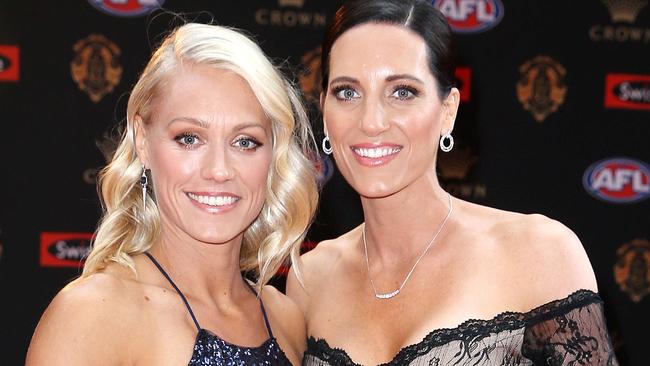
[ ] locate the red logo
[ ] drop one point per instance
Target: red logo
(618, 180)
(9, 63)
(127, 8)
(471, 16)
(464, 82)
(64, 249)
(627, 91)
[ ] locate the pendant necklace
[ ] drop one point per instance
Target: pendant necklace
(388, 295)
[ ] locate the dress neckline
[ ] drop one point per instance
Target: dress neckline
(467, 330)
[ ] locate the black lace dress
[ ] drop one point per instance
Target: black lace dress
(570, 331)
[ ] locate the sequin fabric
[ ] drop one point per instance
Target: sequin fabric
(209, 349)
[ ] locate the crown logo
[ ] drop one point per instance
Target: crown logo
(294, 3)
(624, 10)
(456, 164)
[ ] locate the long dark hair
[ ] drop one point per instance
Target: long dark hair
(417, 15)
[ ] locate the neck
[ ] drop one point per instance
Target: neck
(399, 227)
(202, 269)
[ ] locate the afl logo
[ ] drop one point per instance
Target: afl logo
(618, 180)
(471, 16)
(126, 8)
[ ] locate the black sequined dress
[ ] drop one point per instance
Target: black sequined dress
(210, 349)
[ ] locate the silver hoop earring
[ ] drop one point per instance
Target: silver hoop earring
(447, 147)
(326, 141)
(143, 184)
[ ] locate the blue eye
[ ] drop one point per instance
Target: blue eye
(404, 93)
(247, 143)
(345, 93)
(187, 139)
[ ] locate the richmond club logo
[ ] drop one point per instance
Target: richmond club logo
(127, 8)
(618, 180)
(471, 16)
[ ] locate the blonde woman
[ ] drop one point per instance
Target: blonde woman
(211, 178)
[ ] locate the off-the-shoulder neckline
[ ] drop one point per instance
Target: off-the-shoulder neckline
(506, 320)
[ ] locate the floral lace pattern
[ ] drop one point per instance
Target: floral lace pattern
(570, 331)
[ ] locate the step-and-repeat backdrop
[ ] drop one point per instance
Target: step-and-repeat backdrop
(555, 119)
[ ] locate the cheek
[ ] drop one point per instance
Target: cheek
(169, 165)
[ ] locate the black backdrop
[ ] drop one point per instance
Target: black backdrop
(555, 119)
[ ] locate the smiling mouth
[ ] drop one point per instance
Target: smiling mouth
(376, 152)
(214, 201)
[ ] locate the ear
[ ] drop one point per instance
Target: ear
(322, 104)
(140, 139)
(450, 110)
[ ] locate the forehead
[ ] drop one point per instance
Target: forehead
(377, 49)
(209, 94)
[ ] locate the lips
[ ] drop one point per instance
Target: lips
(214, 200)
(375, 154)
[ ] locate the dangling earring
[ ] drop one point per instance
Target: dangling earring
(447, 147)
(326, 141)
(143, 183)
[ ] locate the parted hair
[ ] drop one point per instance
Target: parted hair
(127, 228)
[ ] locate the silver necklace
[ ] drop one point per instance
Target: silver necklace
(388, 295)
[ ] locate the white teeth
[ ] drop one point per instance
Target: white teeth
(214, 200)
(377, 152)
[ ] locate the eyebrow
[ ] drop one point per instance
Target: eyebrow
(389, 78)
(205, 124)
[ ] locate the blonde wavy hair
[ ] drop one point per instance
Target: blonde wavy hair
(127, 229)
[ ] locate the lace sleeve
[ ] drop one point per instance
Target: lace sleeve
(571, 335)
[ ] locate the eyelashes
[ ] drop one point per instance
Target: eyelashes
(402, 92)
(190, 141)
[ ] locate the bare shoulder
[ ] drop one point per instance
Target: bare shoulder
(67, 333)
(287, 322)
(544, 259)
(315, 265)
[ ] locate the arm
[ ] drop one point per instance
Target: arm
(572, 332)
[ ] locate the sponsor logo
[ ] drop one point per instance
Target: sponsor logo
(293, 17)
(621, 11)
(107, 145)
(471, 16)
(541, 89)
(126, 8)
(618, 180)
(64, 249)
(632, 268)
(627, 91)
(9, 63)
(310, 78)
(324, 169)
(454, 168)
(464, 83)
(95, 66)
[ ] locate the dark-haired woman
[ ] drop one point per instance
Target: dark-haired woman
(429, 279)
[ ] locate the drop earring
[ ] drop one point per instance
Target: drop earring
(143, 183)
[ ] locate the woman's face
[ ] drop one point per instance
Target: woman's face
(208, 145)
(381, 109)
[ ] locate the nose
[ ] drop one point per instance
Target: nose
(217, 165)
(373, 118)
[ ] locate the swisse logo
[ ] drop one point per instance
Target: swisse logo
(627, 91)
(127, 8)
(471, 16)
(618, 180)
(64, 249)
